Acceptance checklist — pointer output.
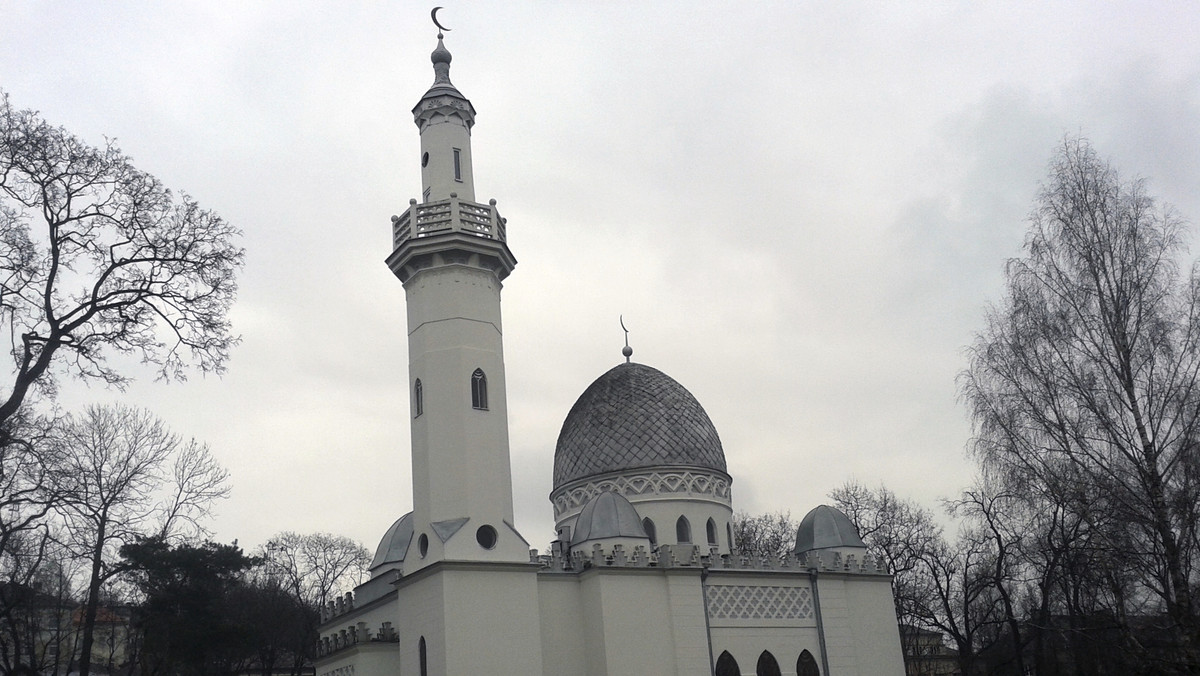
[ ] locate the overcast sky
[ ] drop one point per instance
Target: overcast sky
(801, 209)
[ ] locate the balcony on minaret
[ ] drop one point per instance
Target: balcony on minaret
(445, 226)
(445, 217)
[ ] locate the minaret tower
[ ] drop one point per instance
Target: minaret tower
(451, 254)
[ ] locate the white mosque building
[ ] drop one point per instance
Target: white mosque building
(642, 579)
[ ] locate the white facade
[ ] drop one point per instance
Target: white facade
(641, 579)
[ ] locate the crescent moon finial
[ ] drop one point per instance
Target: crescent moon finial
(433, 15)
(627, 351)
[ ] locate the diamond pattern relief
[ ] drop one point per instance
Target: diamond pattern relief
(744, 602)
(635, 416)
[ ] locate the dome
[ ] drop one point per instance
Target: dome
(635, 416)
(608, 515)
(826, 527)
(394, 543)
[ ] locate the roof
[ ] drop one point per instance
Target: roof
(608, 515)
(635, 416)
(395, 542)
(826, 527)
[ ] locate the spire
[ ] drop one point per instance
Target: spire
(441, 64)
(627, 351)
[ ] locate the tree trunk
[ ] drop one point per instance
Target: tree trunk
(92, 604)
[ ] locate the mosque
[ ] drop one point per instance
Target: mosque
(642, 578)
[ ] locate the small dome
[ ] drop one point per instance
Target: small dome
(826, 527)
(395, 542)
(440, 54)
(608, 515)
(635, 416)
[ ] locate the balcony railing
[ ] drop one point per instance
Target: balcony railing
(447, 216)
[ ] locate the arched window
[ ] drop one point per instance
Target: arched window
(648, 526)
(767, 666)
(683, 530)
(422, 658)
(727, 666)
(418, 398)
(806, 665)
(479, 390)
(711, 530)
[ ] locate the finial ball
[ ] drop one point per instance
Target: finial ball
(395, 218)
(627, 351)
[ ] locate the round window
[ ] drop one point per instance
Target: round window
(423, 545)
(425, 160)
(486, 536)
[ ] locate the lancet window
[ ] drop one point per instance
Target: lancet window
(479, 399)
(806, 665)
(683, 530)
(648, 526)
(767, 666)
(727, 666)
(418, 398)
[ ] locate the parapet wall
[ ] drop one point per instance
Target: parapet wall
(690, 556)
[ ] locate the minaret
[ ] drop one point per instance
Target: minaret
(450, 253)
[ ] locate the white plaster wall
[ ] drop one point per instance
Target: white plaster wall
(628, 622)
(476, 619)
(492, 623)
(873, 625)
(444, 133)
(461, 465)
(860, 625)
(564, 652)
(746, 644)
(420, 613)
(665, 512)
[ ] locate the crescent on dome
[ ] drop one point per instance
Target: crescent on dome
(433, 15)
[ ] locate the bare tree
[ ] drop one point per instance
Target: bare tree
(311, 569)
(317, 566)
(1086, 377)
(98, 258)
(764, 536)
(124, 478)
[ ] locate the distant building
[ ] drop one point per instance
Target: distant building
(641, 579)
(926, 653)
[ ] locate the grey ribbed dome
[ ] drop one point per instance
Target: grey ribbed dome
(635, 416)
(394, 544)
(608, 515)
(826, 527)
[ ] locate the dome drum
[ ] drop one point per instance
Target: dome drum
(645, 484)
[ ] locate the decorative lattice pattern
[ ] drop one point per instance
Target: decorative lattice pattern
(691, 483)
(745, 602)
(635, 416)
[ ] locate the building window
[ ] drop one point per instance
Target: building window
(683, 530)
(711, 530)
(457, 164)
(767, 666)
(806, 665)
(418, 398)
(422, 658)
(727, 666)
(486, 536)
(648, 526)
(479, 390)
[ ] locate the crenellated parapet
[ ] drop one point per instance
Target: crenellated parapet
(340, 605)
(356, 634)
(691, 556)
